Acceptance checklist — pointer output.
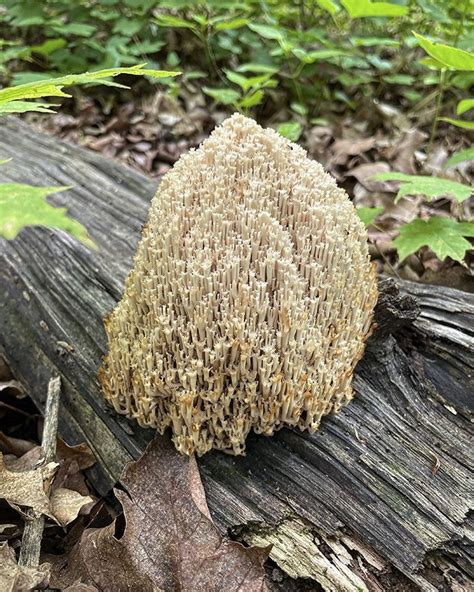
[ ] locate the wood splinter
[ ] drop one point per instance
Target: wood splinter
(34, 523)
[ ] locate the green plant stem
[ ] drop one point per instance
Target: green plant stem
(439, 102)
(294, 77)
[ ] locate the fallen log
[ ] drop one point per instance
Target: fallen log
(379, 497)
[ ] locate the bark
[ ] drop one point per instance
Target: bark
(377, 499)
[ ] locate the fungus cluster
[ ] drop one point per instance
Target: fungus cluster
(250, 297)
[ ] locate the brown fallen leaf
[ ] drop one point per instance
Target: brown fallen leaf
(66, 504)
(23, 484)
(364, 173)
(343, 148)
(402, 153)
(18, 578)
(25, 488)
(30, 453)
(26, 462)
(16, 446)
(169, 541)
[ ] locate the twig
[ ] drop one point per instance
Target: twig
(34, 525)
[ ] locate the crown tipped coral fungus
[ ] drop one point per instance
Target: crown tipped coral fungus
(250, 297)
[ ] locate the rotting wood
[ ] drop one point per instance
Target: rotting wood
(391, 472)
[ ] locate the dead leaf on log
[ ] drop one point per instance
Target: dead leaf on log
(18, 578)
(169, 541)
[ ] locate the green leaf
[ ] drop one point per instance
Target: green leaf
(25, 106)
(329, 6)
(461, 156)
(267, 31)
(368, 215)
(49, 46)
(432, 63)
(377, 41)
(455, 58)
(443, 236)
(237, 79)
(253, 82)
(367, 8)
(464, 105)
(53, 86)
(28, 76)
(25, 205)
(291, 130)
(167, 20)
(144, 47)
(299, 108)
(230, 25)
(469, 125)
(257, 68)
(79, 29)
(309, 57)
(432, 187)
(252, 99)
(128, 26)
(403, 79)
(226, 96)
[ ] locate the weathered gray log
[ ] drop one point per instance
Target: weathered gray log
(384, 488)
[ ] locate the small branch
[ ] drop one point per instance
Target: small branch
(34, 524)
(50, 429)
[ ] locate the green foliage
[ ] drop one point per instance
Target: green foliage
(367, 8)
(309, 46)
(291, 130)
(447, 56)
(461, 156)
(432, 187)
(368, 215)
(24, 205)
(467, 125)
(12, 99)
(73, 37)
(247, 92)
(445, 237)
(464, 105)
